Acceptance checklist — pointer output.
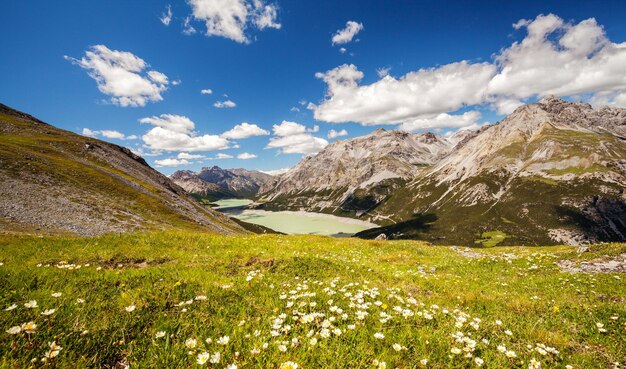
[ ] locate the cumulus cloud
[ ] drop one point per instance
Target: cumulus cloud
(108, 134)
(443, 120)
(188, 28)
(343, 36)
(334, 134)
(223, 156)
(176, 133)
(295, 138)
(206, 91)
(166, 18)
(120, 75)
(232, 18)
(246, 156)
(554, 57)
(244, 130)
(275, 172)
(224, 104)
(185, 155)
(171, 162)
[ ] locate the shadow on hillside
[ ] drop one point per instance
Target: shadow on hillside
(409, 229)
(603, 219)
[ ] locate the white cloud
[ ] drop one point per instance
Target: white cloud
(119, 75)
(246, 156)
(343, 36)
(108, 134)
(555, 57)
(188, 28)
(185, 155)
(342, 50)
(295, 138)
(383, 72)
(176, 133)
(231, 18)
(225, 104)
(294, 109)
(334, 134)
(166, 18)
(442, 120)
(244, 130)
(275, 172)
(206, 91)
(171, 162)
(223, 156)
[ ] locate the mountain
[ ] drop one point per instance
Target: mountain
(216, 183)
(355, 175)
(55, 181)
(551, 172)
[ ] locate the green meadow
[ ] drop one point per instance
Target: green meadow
(194, 300)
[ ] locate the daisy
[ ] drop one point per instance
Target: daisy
(397, 347)
(57, 294)
(288, 365)
(14, 330)
(31, 304)
(130, 308)
(191, 343)
(479, 361)
(203, 358)
(379, 335)
(223, 340)
(159, 334)
(13, 306)
(48, 312)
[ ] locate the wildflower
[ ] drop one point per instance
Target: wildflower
(203, 358)
(223, 340)
(29, 327)
(313, 341)
(231, 366)
(9, 308)
(14, 330)
(397, 347)
(56, 294)
(379, 335)
(80, 301)
(479, 361)
(255, 351)
(288, 365)
(48, 312)
(534, 364)
(382, 365)
(130, 308)
(455, 350)
(424, 362)
(191, 343)
(510, 354)
(324, 333)
(54, 350)
(508, 333)
(215, 358)
(31, 304)
(499, 322)
(159, 334)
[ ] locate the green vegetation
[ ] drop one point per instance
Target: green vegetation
(152, 301)
(493, 238)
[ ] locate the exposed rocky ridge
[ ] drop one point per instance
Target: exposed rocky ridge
(214, 182)
(55, 181)
(551, 172)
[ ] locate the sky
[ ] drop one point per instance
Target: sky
(259, 84)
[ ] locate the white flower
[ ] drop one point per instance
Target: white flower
(223, 340)
(424, 362)
(215, 358)
(48, 312)
(14, 330)
(534, 364)
(130, 308)
(54, 350)
(159, 334)
(288, 365)
(191, 343)
(31, 304)
(282, 348)
(57, 294)
(455, 350)
(510, 354)
(80, 301)
(231, 366)
(29, 327)
(203, 358)
(313, 341)
(379, 336)
(9, 308)
(479, 361)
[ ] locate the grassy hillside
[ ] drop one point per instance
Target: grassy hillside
(163, 300)
(55, 181)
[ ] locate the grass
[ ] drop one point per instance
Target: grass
(429, 300)
(492, 238)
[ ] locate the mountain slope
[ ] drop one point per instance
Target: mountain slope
(354, 175)
(551, 172)
(55, 181)
(216, 183)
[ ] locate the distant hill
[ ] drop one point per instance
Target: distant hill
(213, 183)
(551, 172)
(55, 181)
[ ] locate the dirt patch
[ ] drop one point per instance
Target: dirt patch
(266, 263)
(604, 264)
(136, 263)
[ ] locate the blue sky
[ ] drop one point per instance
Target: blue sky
(280, 57)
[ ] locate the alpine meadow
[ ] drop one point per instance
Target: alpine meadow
(284, 184)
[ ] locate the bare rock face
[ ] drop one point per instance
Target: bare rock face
(215, 182)
(54, 181)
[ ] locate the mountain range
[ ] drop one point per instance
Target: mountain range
(57, 182)
(551, 172)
